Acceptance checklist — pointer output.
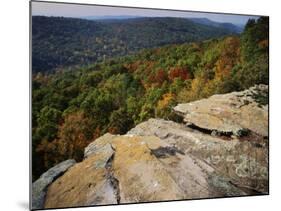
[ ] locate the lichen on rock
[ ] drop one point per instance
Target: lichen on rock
(235, 113)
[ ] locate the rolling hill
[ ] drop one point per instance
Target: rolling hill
(59, 42)
(228, 26)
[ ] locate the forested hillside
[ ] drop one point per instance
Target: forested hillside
(72, 108)
(59, 42)
(229, 26)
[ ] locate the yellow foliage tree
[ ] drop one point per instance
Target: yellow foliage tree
(163, 104)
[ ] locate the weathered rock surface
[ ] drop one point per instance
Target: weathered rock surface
(131, 168)
(232, 113)
(243, 162)
(86, 183)
(163, 160)
(39, 187)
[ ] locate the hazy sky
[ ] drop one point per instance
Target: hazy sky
(76, 10)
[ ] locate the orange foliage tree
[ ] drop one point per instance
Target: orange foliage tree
(230, 55)
(159, 77)
(179, 72)
(73, 136)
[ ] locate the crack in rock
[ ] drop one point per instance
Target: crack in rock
(239, 133)
(163, 152)
(114, 182)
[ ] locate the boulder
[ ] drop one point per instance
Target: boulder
(234, 113)
(39, 187)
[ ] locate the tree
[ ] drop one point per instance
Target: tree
(98, 104)
(120, 122)
(229, 56)
(163, 108)
(179, 72)
(48, 120)
(158, 78)
(75, 133)
(254, 33)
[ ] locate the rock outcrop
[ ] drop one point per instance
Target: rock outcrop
(234, 113)
(243, 162)
(161, 160)
(39, 187)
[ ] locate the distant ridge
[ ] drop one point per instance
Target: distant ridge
(60, 42)
(205, 21)
(111, 17)
(208, 22)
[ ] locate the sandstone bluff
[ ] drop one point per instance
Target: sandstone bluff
(220, 149)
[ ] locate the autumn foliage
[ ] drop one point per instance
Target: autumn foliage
(166, 99)
(179, 72)
(159, 77)
(73, 136)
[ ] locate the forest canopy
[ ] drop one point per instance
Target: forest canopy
(59, 42)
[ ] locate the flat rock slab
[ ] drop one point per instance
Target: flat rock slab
(232, 113)
(243, 162)
(142, 177)
(131, 169)
(39, 187)
(87, 183)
